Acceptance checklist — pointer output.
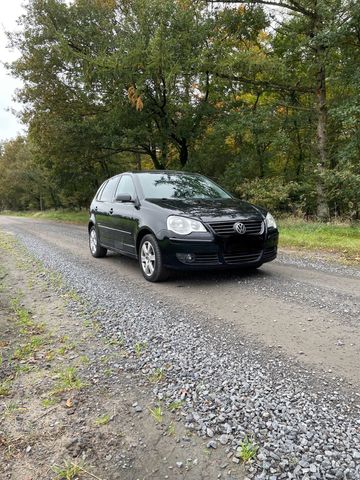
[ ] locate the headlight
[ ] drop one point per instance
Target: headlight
(183, 225)
(270, 221)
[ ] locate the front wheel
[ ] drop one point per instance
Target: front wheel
(96, 249)
(150, 260)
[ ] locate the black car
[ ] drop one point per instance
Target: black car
(177, 220)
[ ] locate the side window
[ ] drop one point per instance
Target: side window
(107, 194)
(99, 192)
(126, 186)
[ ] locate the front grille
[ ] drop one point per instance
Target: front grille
(269, 253)
(242, 257)
(206, 259)
(253, 227)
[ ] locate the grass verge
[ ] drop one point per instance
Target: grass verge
(339, 238)
(68, 216)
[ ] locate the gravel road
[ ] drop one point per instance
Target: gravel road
(272, 355)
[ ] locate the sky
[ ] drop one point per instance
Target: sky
(10, 126)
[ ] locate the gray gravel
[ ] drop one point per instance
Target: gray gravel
(347, 307)
(317, 262)
(231, 390)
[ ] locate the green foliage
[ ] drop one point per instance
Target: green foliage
(157, 376)
(67, 471)
(5, 387)
(68, 380)
(111, 86)
(102, 420)
(343, 191)
(270, 193)
(156, 413)
(247, 449)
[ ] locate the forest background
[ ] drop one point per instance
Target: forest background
(262, 96)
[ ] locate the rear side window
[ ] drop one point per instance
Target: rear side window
(126, 186)
(107, 194)
(99, 192)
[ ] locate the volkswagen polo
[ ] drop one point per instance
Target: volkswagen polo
(176, 220)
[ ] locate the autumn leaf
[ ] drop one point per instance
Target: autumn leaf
(139, 104)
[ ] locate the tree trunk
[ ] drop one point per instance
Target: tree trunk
(164, 153)
(322, 205)
(138, 160)
(300, 160)
(184, 152)
(158, 165)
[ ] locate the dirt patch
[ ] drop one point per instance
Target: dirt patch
(75, 406)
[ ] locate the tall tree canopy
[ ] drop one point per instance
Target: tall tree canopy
(260, 94)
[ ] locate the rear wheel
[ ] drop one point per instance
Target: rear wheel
(96, 249)
(150, 260)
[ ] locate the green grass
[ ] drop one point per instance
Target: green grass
(247, 450)
(157, 376)
(68, 380)
(69, 471)
(78, 217)
(338, 238)
(29, 349)
(5, 388)
(28, 326)
(176, 405)
(49, 402)
(156, 413)
(139, 347)
(103, 420)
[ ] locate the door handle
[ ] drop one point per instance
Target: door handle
(111, 211)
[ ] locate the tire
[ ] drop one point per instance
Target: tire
(150, 260)
(96, 249)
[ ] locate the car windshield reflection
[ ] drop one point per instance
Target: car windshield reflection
(174, 186)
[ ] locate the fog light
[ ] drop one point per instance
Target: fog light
(190, 258)
(186, 257)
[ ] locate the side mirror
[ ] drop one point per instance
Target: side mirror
(123, 197)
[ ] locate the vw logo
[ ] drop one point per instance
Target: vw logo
(239, 228)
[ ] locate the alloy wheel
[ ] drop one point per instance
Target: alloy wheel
(148, 259)
(93, 241)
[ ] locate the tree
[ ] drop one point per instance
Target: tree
(317, 22)
(106, 77)
(237, 92)
(23, 182)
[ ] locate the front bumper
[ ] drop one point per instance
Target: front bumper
(199, 254)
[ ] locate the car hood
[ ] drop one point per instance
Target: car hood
(221, 209)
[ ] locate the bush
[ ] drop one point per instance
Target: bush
(271, 193)
(343, 192)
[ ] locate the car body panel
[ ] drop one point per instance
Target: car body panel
(126, 223)
(207, 211)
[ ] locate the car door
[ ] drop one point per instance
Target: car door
(125, 216)
(104, 212)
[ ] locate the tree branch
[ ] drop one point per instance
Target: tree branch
(265, 84)
(291, 5)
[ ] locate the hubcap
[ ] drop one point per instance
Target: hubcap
(93, 241)
(148, 258)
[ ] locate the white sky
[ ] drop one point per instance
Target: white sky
(9, 124)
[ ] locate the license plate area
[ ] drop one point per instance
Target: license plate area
(234, 245)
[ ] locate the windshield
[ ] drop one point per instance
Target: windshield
(179, 186)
